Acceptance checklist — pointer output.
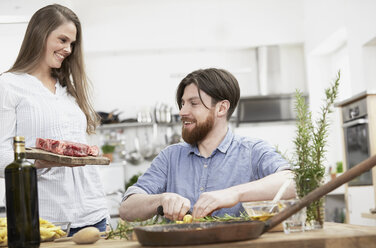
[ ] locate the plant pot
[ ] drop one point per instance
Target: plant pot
(108, 155)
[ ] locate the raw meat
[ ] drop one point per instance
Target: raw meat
(67, 148)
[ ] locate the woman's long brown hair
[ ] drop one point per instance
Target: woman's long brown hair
(72, 72)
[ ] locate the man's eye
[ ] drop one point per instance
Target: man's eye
(63, 40)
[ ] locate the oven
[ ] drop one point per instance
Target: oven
(357, 143)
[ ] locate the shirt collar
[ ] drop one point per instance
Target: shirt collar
(226, 142)
(223, 147)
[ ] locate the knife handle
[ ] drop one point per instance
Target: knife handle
(161, 213)
(160, 210)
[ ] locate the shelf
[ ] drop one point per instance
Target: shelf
(125, 125)
(369, 216)
(134, 124)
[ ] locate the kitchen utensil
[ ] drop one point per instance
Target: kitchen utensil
(279, 194)
(109, 118)
(135, 157)
(216, 232)
(35, 153)
(161, 212)
(260, 210)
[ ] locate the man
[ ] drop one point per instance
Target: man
(213, 170)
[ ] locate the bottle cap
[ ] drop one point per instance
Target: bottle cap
(19, 139)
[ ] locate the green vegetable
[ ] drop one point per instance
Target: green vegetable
(106, 149)
(132, 181)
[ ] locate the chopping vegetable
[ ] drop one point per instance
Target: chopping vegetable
(213, 170)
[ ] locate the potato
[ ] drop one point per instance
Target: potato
(87, 235)
(48, 231)
(188, 218)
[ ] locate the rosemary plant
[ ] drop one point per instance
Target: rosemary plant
(310, 143)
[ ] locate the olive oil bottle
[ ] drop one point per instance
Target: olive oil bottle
(22, 199)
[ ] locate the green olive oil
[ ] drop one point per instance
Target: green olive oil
(22, 199)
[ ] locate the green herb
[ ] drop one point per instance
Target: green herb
(339, 167)
(310, 145)
(107, 149)
(124, 229)
(132, 181)
(225, 217)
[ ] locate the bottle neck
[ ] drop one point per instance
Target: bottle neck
(19, 151)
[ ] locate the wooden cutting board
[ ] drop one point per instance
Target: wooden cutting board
(35, 153)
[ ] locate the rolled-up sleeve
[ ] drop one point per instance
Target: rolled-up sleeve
(154, 180)
(267, 159)
(133, 190)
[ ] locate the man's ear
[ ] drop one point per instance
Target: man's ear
(223, 107)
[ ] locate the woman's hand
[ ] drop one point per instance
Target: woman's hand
(39, 164)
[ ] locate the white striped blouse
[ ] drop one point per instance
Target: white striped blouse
(29, 109)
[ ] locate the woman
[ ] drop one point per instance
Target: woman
(45, 94)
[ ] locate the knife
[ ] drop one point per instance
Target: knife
(161, 213)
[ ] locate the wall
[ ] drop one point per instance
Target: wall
(342, 38)
(158, 42)
(143, 61)
(134, 49)
(14, 17)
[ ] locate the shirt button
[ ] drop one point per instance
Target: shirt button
(205, 165)
(202, 188)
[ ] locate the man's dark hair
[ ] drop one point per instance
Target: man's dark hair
(219, 84)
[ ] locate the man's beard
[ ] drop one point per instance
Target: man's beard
(199, 132)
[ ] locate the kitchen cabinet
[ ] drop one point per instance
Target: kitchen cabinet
(334, 235)
(359, 130)
(335, 206)
(360, 199)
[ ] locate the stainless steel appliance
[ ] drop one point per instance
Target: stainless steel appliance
(356, 133)
(266, 108)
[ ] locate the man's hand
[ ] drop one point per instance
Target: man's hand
(174, 206)
(211, 201)
(39, 164)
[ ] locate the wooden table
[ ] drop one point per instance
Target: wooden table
(333, 235)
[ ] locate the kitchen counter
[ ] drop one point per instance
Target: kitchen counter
(334, 235)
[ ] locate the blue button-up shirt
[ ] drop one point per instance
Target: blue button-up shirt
(181, 169)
